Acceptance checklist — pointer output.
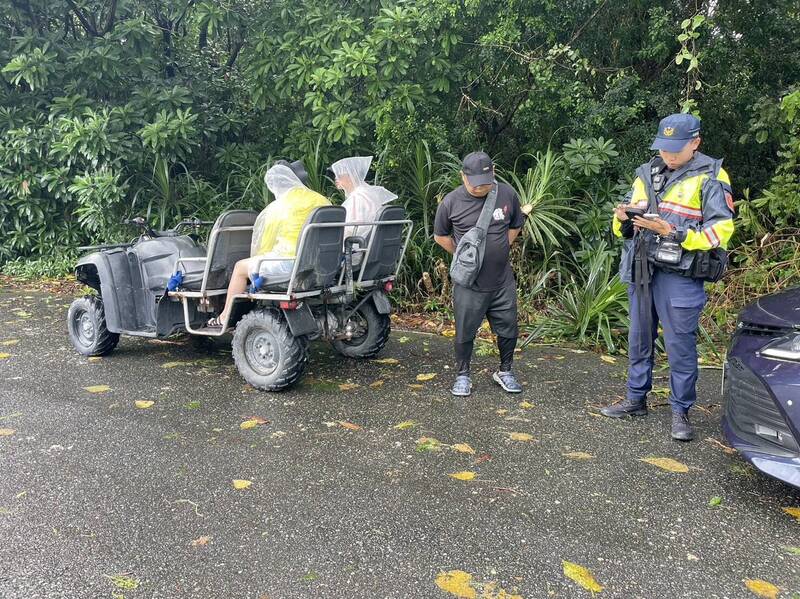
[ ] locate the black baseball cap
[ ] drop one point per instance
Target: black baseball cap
(298, 168)
(478, 168)
(675, 131)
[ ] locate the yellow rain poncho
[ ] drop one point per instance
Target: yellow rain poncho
(279, 225)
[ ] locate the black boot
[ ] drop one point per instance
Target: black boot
(681, 427)
(627, 407)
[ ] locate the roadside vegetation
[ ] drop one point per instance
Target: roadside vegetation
(175, 109)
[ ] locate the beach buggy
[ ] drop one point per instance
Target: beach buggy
(168, 282)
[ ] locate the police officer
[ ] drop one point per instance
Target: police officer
(675, 226)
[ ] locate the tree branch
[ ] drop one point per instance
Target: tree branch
(183, 14)
(87, 25)
(26, 7)
(237, 47)
(580, 29)
(112, 12)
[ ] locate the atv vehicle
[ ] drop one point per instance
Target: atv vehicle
(324, 297)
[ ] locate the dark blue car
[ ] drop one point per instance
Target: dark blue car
(762, 386)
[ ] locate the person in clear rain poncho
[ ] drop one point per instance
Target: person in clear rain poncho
(362, 200)
(275, 233)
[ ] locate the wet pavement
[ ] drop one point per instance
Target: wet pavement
(350, 489)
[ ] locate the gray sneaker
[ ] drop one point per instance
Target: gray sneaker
(463, 386)
(507, 381)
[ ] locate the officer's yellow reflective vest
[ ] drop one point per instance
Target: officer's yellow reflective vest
(697, 202)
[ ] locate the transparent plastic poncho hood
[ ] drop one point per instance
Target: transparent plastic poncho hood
(363, 200)
(280, 180)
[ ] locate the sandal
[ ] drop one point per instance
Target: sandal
(214, 323)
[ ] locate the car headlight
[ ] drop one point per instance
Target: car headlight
(786, 348)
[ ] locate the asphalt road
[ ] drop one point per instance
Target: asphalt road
(98, 496)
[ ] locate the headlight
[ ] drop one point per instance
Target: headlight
(786, 348)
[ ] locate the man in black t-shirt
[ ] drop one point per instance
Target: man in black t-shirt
(494, 293)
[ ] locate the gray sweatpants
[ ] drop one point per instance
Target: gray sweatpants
(499, 308)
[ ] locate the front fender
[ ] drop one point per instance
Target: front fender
(97, 270)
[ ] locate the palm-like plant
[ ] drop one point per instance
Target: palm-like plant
(420, 186)
(591, 305)
(539, 191)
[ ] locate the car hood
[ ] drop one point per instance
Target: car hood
(777, 309)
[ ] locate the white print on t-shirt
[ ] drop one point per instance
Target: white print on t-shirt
(498, 214)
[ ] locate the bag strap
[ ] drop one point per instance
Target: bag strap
(488, 207)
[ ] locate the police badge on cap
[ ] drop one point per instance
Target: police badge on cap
(675, 131)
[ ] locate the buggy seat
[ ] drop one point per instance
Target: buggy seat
(319, 254)
(228, 242)
(385, 247)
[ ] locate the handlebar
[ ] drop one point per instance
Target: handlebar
(140, 222)
(195, 223)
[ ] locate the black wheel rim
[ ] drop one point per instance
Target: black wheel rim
(83, 327)
(262, 351)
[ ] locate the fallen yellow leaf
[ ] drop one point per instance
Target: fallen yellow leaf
(762, 588)
(376, 384)
(349, 425)
(501, 412)
(348, 386)
(426, 376)
(449, 333)
(123, 582)
(98, 388)
(240, 483)
(578, 455)
(463, 448)
(404, 425)
(463, 475)
(201, 541)
(520, 437)
(143, 403)
(667, 464)
(387, 361)
(9, 342)
(609, 359)
(794, 512)
(176, 364)
(5, 432)
(525, 405)
(247, 424)
(456, 582)
(416, 387)
(4, 356)
(582, 576)
(428, 444)
(93, 359)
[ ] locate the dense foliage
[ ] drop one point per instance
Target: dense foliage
(169, 109)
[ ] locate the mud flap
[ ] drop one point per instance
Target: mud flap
(301, 320)
(382, 303)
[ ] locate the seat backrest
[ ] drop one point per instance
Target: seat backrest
(319, 258)
(386, 245)
(226, 248)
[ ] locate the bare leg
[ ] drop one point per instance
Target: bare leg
(236, 286)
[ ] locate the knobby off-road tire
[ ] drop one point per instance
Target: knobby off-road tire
(86, 325)
(372, 335)
(266, 353)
